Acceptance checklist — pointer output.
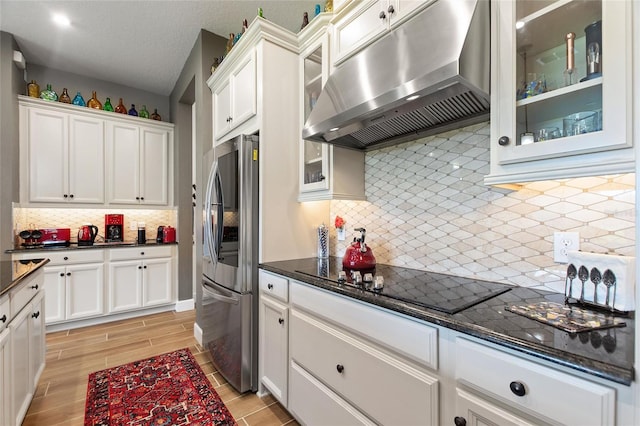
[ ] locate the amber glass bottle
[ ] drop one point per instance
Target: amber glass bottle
(120, 108)
(65, 97)
(33, 89)
(94, 102)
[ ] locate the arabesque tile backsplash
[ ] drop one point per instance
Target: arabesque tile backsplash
(427, 208)
(26, 218)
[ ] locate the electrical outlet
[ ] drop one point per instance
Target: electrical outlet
(133, 225)
(562, 243)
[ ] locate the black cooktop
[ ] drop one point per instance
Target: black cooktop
(441, 292)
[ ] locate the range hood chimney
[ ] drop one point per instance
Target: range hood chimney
(441, 55)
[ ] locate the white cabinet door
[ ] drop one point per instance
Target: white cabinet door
(86, 160)
(5, 377)
(84, 292)
(357, 29)
(474, 411)
(157, 282)
(21, 385)
(55, 288)
(48, 146)
(222, 109)
(125, 285)
(154, 167)
(123, 156)
(37, 347)
(243, 91)
(274, 348)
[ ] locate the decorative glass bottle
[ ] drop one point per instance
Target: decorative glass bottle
(155, 115)
(133, 111)
(33, 89)
(49, 94)
(94, 102)
(78, 100)
(120, 108)
(107, 105)
(143, 112)
(64, 98)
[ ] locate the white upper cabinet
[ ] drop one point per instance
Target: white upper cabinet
(326, 171)
(361, 23)
(553, 117)
(234, 101)
(65, 156)
(138, 164)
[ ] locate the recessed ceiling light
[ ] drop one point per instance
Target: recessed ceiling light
(410, 98)
(519, 25)
(61, 20)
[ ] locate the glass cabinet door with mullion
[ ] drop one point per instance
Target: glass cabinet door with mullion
(315, 154)
(569, 93)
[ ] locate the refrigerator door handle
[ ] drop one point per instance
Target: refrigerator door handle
(209, 237)
(213, 290)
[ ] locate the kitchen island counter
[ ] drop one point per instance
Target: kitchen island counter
(13, 273)
(490, 321)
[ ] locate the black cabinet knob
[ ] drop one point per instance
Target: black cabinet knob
(62, 274)
(459, 421)
(145, 266)
(503, 141)
(65, 196)
(391, 10)
(322, 177)
(139, 267)
(141, 198)
(4, 318)
(382, 15)
(35, 315)
(270, 286)
(340, 368)
(68, 274)
(65, 258)
(137, 198)
(35, 287)
(281, 320)
(141, 253)
(71, 196)
(518, 388)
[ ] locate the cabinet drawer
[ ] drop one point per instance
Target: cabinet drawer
(417, 341)
(274, 285)
(316, 404)
(140, 252)
(548, 393)
(73, 256)
(5, 312)
(20, 297)
(361, 373)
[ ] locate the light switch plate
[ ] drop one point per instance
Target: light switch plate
(562, 243)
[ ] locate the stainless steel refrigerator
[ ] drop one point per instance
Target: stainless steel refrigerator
(230, 261)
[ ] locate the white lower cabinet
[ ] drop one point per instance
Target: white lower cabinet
(527, 389)
(140, 277)
(22, 349)
(475, 411)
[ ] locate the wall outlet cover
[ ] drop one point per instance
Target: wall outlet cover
(562, 243)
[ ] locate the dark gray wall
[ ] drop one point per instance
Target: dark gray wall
(11, 84)
(104, 89)
(191, 88)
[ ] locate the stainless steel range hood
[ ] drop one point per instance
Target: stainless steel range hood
(441, 55)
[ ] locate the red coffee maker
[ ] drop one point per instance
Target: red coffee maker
(113, 227)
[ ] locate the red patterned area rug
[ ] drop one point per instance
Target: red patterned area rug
(168, 389)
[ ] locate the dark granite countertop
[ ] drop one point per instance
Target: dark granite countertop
(75, 246)
(14, 272)
(490, 321)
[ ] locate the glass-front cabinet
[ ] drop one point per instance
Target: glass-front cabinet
(327, 172)
(561, 102)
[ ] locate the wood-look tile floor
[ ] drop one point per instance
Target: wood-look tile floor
(73, 354)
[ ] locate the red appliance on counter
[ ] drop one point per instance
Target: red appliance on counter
(55, 237)
(166, 234)
(358, 256)
(87, 235)
(113, 227)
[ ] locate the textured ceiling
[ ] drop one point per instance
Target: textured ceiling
(142, 44)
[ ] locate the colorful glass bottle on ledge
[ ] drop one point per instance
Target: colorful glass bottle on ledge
(33, 89)
(108, 106)
(49, 94)
(78, 100)
(64, 98)
(143, 112)
(120, 108)
(133, 111)
(155, 115)
(94, 102)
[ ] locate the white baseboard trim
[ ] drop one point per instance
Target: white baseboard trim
(69, 325)
(185, 305)
(197, 333)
